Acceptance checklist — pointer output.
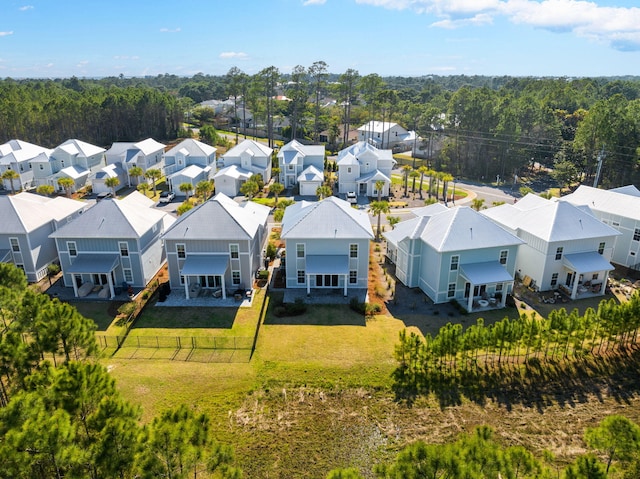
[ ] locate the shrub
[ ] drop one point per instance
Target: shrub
(290, 309)
(368, 309)
(271, 250)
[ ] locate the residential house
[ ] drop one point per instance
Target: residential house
(565, 246)
(327, 244)
(620, 209)
(115, 242)
(455, 254)
(361, 166)
(98, 179)
(294, 158)
(240, 163)
(309, 181)
(26, 221)
(73, 159)
(190, 161)
(383, 134)
(146, 154)
(216, 247)
(17, 155)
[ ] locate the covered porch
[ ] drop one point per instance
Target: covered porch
(487, 285)
(205, 273)
(94, 273)
(327, 272)
(586, 274)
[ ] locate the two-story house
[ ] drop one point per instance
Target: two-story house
(190, 161)
(26, 221)
(240, 163)
(294, 158)
(216, 247)
(327, 244)
(17, 155)
(146, 154)
(115, 242)
(384, 134)
(455, 254)
(565, 246)
(361, 166)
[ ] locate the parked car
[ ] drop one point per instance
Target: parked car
(352, 197)
(167, 196)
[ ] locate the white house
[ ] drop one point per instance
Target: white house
(310, 180)
(294, 158)
(217, 246)
(17, 155)
(361, 165)
(189, 152)
(146, 154)
(26, 221)
(620, 209)
(565, 246)
(98, 179)
(240, 163)
(386, 135)
(327, 244)
(455, 254)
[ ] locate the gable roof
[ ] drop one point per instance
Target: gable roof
(331, 218)
(113, 218)
(429, 210)
(233, 171)
(78, 147)
(630, 190)
(146, 147)
(377, 126)
(608, 201)
(304, 150)
(220, 218)
(18, 151)
(311, 173)
(26, 212)
(253, 147)
(191, 171)
(550, 220)
(191, 147)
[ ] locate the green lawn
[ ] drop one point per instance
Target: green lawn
(101, 312)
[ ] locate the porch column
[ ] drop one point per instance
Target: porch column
(604, 283)
(75, 285)
(505, 288)
(110, 283)
(224, 289)
(346, 279)
(574, 289)
(308, 284)
(186, 287)
(470, 300)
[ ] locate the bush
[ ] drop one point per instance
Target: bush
(271, 250)
(290, 309)
(367, 309)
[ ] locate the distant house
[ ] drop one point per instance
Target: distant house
(455, 254)
(73, 159)
(240, 163)
(191, 161)
(361, 166)
(294, 158)
(146, 154)
(115, 242)
(26, 221)
(565, 246)
(17, 155)
(620, 209)
(386, 135)
(216, 247)
(327, 245)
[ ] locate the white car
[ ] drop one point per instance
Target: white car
(167, 196)
(352, 197)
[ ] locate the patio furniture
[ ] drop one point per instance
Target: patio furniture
(483, 303)
(85, 289)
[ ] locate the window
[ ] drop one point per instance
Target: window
(451, 290)
(290, 167)
(182, 252)
(353, 251)
(454, 263)
(349, 169)
(299, 250)
(554, 279)
(503, 256)
(353, 277)
(594, 277)
(632, 253)
(636, 234)
(498, 287)
(124, 249)
(128, 275)
(71, 248)
(234, 249)
(615, 224)
(559, 253)
(41, 166)
(235, 277)
(601, 247)
(15, 245)
(301, 277)
(181, 279)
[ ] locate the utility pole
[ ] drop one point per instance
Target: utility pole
(601, 157)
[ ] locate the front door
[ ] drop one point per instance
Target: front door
(363, 189)
(569, 279)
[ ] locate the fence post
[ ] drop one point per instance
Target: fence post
(178, 342)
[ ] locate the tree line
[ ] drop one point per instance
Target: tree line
(61, 415)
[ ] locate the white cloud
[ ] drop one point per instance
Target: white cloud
(126, 57)
(169, 30)
(238, 55)
(26, 7)
(4, 34)
(313, 2)
(617, 26)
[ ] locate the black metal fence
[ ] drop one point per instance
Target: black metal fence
(175, 342)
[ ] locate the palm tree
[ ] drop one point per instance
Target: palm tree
(477, 204)
(186, 188)
(46, 190)
(144, 188)
(405, 171)
(154, 175)
(423, 170)
(414, 174)
(11, 176)
(379, 187)
(136, 172)
(204, 189)
(112, 183)
(66, 183)
(323, 191)
(446, 178)
(377, 208)
(393, 221)
(249, 188)
(276, 189)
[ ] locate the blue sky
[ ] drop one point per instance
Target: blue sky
(62, 38)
